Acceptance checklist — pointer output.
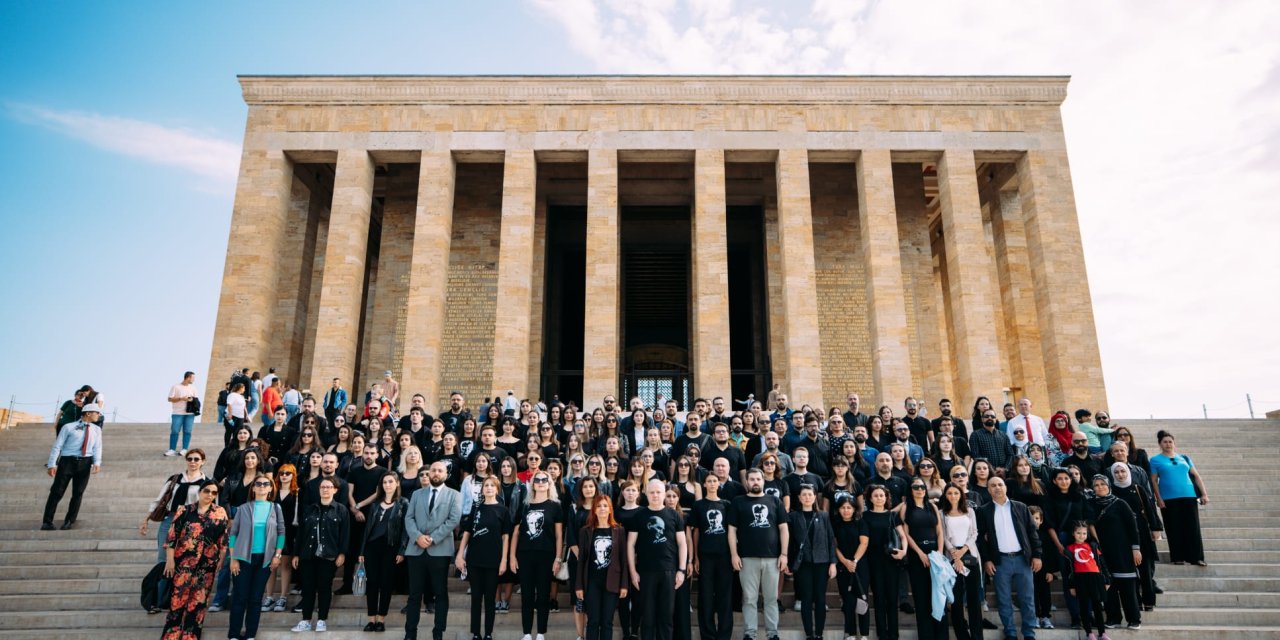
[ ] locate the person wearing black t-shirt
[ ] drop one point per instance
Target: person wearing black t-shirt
(362, 481)
(488, 447)
(924, 536)
(709, 521)
(626, 511)
(419, 404)
(944, 408)
(851, 577)
(722, 449)
(920, 427)
(877, 526)
(693, 435)
(602, 568)
(757, 546)
(537, 540)
(816, 444)
(483, 552)
(885, 477)
(682, 604)
(801, 476)
(657, 555)
(455, 415)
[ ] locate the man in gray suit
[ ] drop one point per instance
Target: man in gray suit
(434, 512)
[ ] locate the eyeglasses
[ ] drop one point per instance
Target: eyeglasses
(286, 473)
(926, 466)
(262, 484)
(211, 491)
(195, 459)
(683, 464)
(307, 436)
(770, 463)
(540, 480)
(960, 474)
(917, 487)
(309, 423)
(593, 463)
(575, 462)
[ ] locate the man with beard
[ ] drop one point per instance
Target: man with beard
(433, 513)
(785, 465)
(722, 449)
(308, 411)
(992, 443)
(718, 414)
(693, 435)
(853, 417)
(455, 415)
(921, 429)
(816, 444)
(801, 476)
(1080, 457)
(944, 406)
(419, 402)
(902, 436)
(884, 476)
(488, 447)
(757, 546)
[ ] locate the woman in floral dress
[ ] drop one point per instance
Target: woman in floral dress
(196, 544)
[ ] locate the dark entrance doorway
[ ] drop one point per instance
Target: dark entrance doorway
(655, 304)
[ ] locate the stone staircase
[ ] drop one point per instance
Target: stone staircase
(84, 583)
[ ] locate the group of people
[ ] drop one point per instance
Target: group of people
(628, 507)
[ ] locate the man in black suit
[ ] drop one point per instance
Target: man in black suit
(1010, 549)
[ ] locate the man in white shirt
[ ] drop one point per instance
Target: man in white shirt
(181, 419)
(1037, 432)
(1010, 550)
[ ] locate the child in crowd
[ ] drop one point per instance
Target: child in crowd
(1086, 574)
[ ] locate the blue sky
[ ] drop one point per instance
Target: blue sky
(121, 125)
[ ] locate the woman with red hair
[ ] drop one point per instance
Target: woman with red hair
(602, 568)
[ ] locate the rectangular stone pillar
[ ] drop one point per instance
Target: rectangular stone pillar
(1018, 298)
(515, 274)
(428, 278)
(975, 349)
(1068, 337)
(799, 288)
(600, 353)
(259, 217)
(338, 320)
(878, 219)
(710, 251)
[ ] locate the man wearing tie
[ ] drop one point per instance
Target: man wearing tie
(76, 453)
(434, 512)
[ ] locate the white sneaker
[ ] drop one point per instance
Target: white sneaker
(183, 453)
(303, 625)
(527, 637)
(170, 453)
(321, 627)
(540, 637)
(797, 607)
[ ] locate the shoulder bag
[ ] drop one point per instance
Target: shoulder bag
(162, 507)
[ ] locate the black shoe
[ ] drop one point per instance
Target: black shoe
(68, 524)
(48, 526)
(475, 637)
(431, 609)
(987, 624)
(404, 609)
(343, 591)
(488, 638)
(297, 608)
(370, 628)
(1135, 626)
(1147, 607)
(906, 608)
(555, 606)
(380, 627)
(1158, 590)
(1111, 625)
(437, 635)
(410, 636)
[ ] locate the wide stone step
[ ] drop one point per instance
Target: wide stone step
(1220, 570)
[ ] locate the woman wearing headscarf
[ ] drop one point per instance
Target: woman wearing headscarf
(1117, 534)
(1149, 528)
(1061, 431)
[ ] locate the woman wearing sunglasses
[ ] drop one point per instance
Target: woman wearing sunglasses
(257, 544)
(179, 490)
(536, 541)
(193, 550)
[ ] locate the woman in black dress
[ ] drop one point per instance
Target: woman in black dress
(1149, 528)
(879, 527)
(1117, 533)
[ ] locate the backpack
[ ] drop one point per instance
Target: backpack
(151, 595)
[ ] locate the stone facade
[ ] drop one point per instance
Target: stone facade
(918, 236)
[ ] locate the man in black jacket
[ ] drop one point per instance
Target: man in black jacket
(1010, 549)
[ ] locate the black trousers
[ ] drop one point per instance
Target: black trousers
(74, 471)
(1123, 594)
(1182, 527)
(922, 592)
(884, 584)
(969, 596)
(853, 586)
(317, 584)
(680, 620)
(484, 591)
(629, 611)
(353, 551)
(600, 605)
(379, 567)
(811, 589)
(657, 602)
(535, 588)
(231, 426)
(428, 577)
(1044, 595)
(715, 597)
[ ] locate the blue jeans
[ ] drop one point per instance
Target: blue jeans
(247, 599)
(180, 423)
(222, 413)
(292, 410)
(252, 403)
(162, 534)
(1014, 572)
(222, 584)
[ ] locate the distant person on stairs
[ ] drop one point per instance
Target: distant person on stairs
(181, 417)
(75, 454)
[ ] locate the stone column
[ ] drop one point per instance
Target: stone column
(710, 250)
(975, 349)
(259, 216)
(600, 333)
(1068, 337)
(338, 320)
(515, 274)
(428, 278)
(1018, 298)
(799, 288)
(878, 219)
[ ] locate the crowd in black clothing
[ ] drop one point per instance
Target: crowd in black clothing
(626, 506)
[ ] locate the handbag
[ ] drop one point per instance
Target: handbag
(894, 543)
(162, 507)
(360, 582)
(563, 574)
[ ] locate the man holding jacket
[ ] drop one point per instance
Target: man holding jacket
(434, 512)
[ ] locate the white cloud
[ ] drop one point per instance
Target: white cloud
(1173, 122)
(206, 156)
